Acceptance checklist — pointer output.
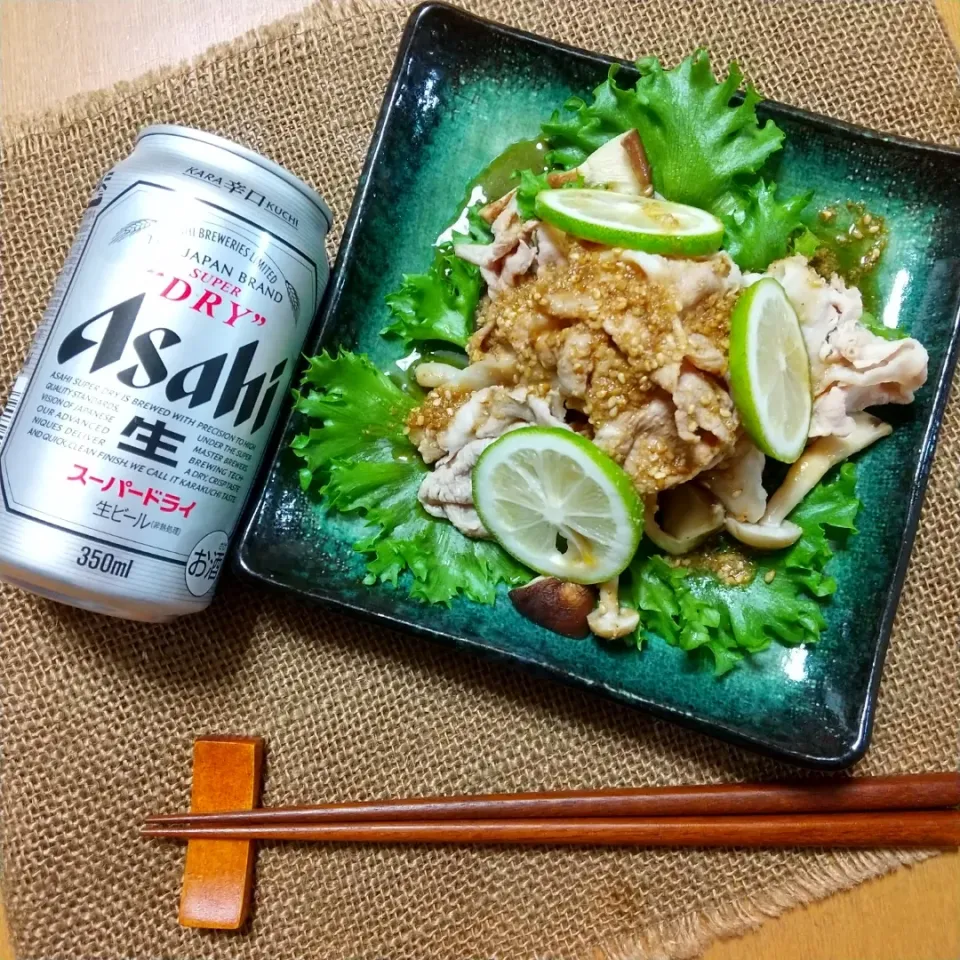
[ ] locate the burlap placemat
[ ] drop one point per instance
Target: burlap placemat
(98, 714)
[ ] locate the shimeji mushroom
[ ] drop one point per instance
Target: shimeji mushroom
(689, 515)
(764, 536)
(775, 531)
(484, 373)
(610, 620)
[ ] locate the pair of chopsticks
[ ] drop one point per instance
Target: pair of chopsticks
(913, 810)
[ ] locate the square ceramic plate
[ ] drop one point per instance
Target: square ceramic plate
(461, 91)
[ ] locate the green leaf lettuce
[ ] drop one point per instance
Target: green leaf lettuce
(871, 322)
(694, 610)
(758, 226)
(439, 304)
(365, 464)
(698, 142)
(532, 184)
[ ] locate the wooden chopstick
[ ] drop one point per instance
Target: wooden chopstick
(920, 828)
(907, 792)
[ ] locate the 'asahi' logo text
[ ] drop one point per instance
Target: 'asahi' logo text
(200, 382)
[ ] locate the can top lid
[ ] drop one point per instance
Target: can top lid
(173, 130)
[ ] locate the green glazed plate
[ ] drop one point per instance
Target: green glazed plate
(462, 90)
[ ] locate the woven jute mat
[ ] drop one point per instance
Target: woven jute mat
(98, 714)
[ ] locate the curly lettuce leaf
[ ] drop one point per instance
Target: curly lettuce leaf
(439, 304)
(759, 227)
(532, 184)
(827, 515)
(871, 322)
(695, 611)
(806, 243)
(365, 464)
(698, 142)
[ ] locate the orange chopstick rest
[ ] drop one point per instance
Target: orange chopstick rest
(218, 874)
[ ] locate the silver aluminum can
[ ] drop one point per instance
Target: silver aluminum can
(133, 434)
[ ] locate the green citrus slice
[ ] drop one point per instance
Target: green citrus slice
(639, 223)
(558, 504)
(770, 370)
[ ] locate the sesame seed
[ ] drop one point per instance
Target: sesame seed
(769, 575)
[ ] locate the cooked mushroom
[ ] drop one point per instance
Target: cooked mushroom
(738, 482)
(484, 373)
(620, 165)
(818, 458)
(558, 178)
(774, 531)
(558, 605)
(688, 516)
(764, 536)
(610, 620)
(494, 208)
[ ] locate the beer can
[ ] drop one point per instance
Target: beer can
(132, 437)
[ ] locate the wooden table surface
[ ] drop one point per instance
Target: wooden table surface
(52, 49)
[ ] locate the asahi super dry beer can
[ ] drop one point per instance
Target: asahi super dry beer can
(132, 436)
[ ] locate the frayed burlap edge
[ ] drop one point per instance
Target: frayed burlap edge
(689, 936)
(15, 129)
(680, 938)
